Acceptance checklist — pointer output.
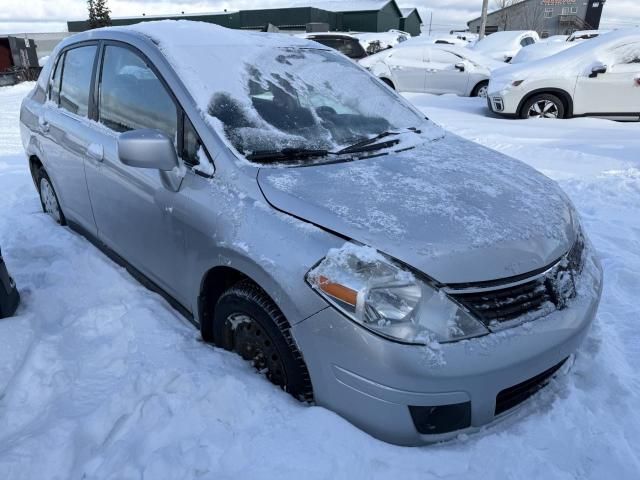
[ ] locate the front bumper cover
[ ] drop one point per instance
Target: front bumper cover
(372, 381)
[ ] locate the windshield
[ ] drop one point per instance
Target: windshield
(294, 98)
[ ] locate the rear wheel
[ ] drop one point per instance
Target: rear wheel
(481, 90)
(48, 198)
(543, 106)
(246, 321)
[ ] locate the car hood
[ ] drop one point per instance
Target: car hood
(454, 210)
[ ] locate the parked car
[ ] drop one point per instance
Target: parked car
(307, 217)
(345, 43)
(585, 35)
(9, 296)
(600, 78)
(503, 46)
(536, 51)
(554, 39)
(441, 40)
(374, 42)
(430, 68)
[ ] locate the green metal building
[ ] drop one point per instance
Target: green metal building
(410, 21)
(355, 15)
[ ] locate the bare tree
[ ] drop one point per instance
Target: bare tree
(531, 16)
(503, 13)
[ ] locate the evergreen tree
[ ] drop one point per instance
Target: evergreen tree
(98, 14)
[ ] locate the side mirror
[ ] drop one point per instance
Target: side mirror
(597, 70)
(147, 149)
(460, 66)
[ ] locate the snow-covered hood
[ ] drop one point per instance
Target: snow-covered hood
(454, 210)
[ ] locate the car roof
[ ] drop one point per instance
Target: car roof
(184, 33)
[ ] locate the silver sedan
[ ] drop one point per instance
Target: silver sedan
(308, 218)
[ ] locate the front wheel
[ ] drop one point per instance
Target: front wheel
(543, 106)
(481, 90)
(48, 198)
(247, 322)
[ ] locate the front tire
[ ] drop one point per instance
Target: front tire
(48, 198)
(247, 322)
(543, 106)
(481, 90)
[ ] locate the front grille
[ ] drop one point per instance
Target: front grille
(513, 396)
(494, 304)
(509, 303)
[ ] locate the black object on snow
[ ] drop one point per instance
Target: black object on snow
(9, 296)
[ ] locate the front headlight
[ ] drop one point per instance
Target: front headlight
(391, 301)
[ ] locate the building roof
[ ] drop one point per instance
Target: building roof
(348, 6)
(408, 11)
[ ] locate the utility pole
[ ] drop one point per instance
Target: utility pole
(430, 22)
(483, 23)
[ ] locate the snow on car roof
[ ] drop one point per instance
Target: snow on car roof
(183, 33)
(502, 39)
(577, 59)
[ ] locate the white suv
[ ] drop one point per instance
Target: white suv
(600, 78)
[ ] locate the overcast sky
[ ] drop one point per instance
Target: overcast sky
(50, 16)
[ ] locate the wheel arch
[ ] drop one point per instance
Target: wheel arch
(34, 165)
(476, 87)
(563, 95)
(294, 305)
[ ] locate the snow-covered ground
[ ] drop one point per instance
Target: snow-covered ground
(100, 378)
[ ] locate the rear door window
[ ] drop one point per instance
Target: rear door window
(132, 96)
(76, 79)
(440, 56)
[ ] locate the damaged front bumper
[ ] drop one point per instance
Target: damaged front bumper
(412, 395)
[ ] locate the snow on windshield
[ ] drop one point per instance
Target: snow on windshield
(273, 91)
(291, 99)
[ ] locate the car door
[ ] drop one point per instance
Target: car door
(442, 74)
(407, 68)
(614, 93)
(65, 131)
(133, 208)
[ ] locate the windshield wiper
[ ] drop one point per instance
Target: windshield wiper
(370, 144)
(286, 155)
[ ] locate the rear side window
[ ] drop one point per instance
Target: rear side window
(76, 79)
(409, 54)
(440, 56)
(527, 41)
(131, 95)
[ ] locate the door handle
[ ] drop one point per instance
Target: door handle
(43, 124)
(96, 151)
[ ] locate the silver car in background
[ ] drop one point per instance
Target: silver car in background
(416, 66)
(308, 218)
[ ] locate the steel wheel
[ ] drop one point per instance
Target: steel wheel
(482, 91)
(246, 321)
(543, 108)
(49, 200)
(253, 344)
